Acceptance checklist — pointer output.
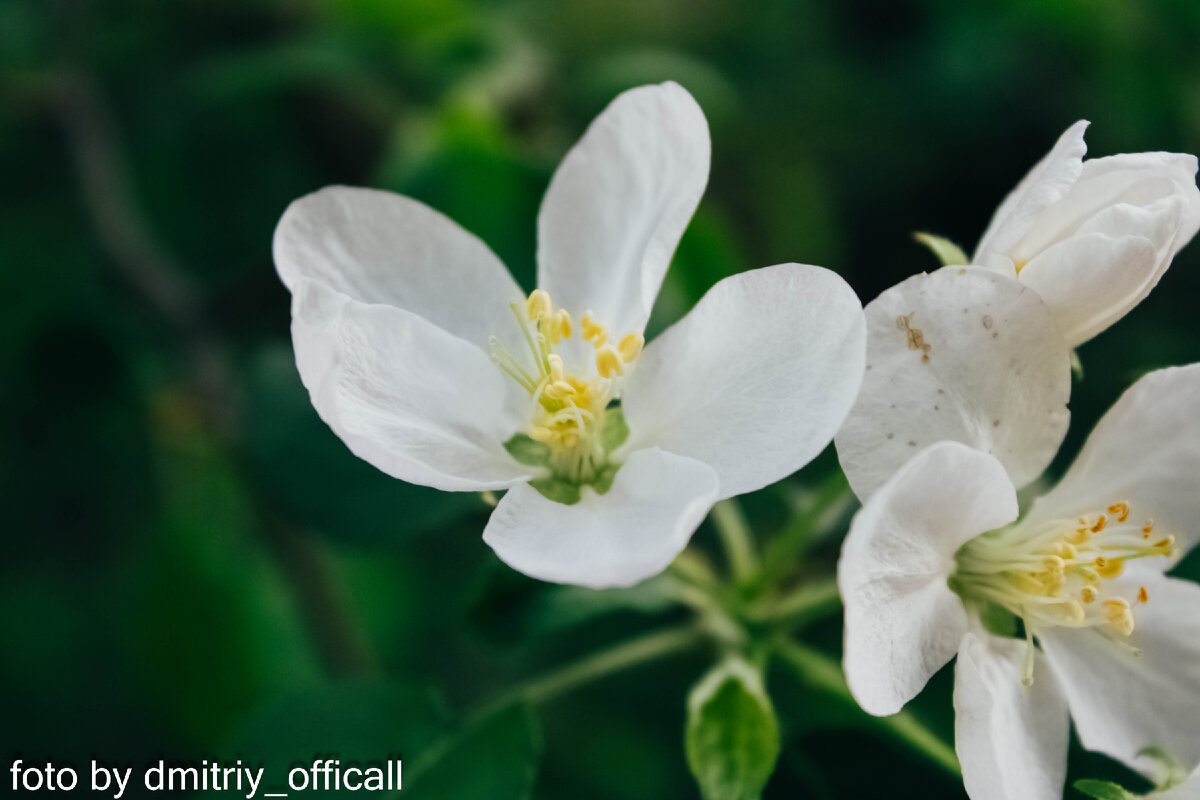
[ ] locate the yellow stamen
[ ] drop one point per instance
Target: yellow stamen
(631, 346)
(608, 361)
(538, 305)
(1143, 595)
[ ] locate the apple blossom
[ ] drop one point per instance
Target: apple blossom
(934, 565)
(981, 353)
(423, 355)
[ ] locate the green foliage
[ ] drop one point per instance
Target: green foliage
(615, 430)
(557, 489)
(364, 722)
(732, 736)
(495, 757)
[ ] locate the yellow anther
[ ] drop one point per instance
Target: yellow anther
(1064, 550)
(1143, 595)
(540, 434)
(556, 367)
(1020, 265)
(1054, 564)
(1100, 523)
(1118, 614)
(589, 328)
(1121, 509)
(1111, 567)
(562, 325)
(1148, 527)
(630, 346)
(1079, 536)
(1166, 545)
(1090, 575)
(608, 361)
(538, 305)
(1087, 594)
(1075, 612)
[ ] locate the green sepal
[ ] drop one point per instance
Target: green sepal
(998, 620)
(528, 451)
(946, 251)
(557, 489)
(732, 735)
(614, 432)
(604, 479)
(1103, 790)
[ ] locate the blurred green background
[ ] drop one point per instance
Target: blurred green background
(187, 548)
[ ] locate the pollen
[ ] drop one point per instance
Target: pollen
(1060, 572)
(567, 400)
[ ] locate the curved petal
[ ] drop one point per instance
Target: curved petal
(959, 354)
(1011, 739)
(631, 532)
(1042, 187)
(403, 394)
(756, 379)
(1188, 790)
(1146, 452)
(618, 204)
(1122, 702)
(380, 247)
(1091, 281)
(902, 620)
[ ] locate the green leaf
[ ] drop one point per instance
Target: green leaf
(496, 757)
(557, 489)
(946, 251)
(369, 723)
(732, 736)
(1103, 790)
(527, 450)
(614, 432)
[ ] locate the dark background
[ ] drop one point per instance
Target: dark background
(185, 543)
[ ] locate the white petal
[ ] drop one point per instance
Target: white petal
(380, 247)
(618, 204)
(1011, 739)
(1123, 703)
(1091, 281)
(616, 539)
(1044, 186)
(403, 394)
(756, 379)
(1188, 790)
(996, 376)
(1145, 451)
(902, 620)
(1136, 180)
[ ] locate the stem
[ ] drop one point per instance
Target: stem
(821, 672)
(809, 600)
(549, 685)
(600, 664)
(731, 525)
(816, 514)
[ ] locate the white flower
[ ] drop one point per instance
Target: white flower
(1093, 237)
(932, 567)
(424, 356)
(981, 354)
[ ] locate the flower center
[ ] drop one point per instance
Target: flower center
(570, 414)
(1059, 573)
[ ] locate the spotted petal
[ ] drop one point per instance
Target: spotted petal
(1011, 738)
(403, 394)
(619, 202)
(616, 539)
(962, 355)
(902, 620)
(379, 247)
(1123, 703)
(756, 379)
(1145, 451)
